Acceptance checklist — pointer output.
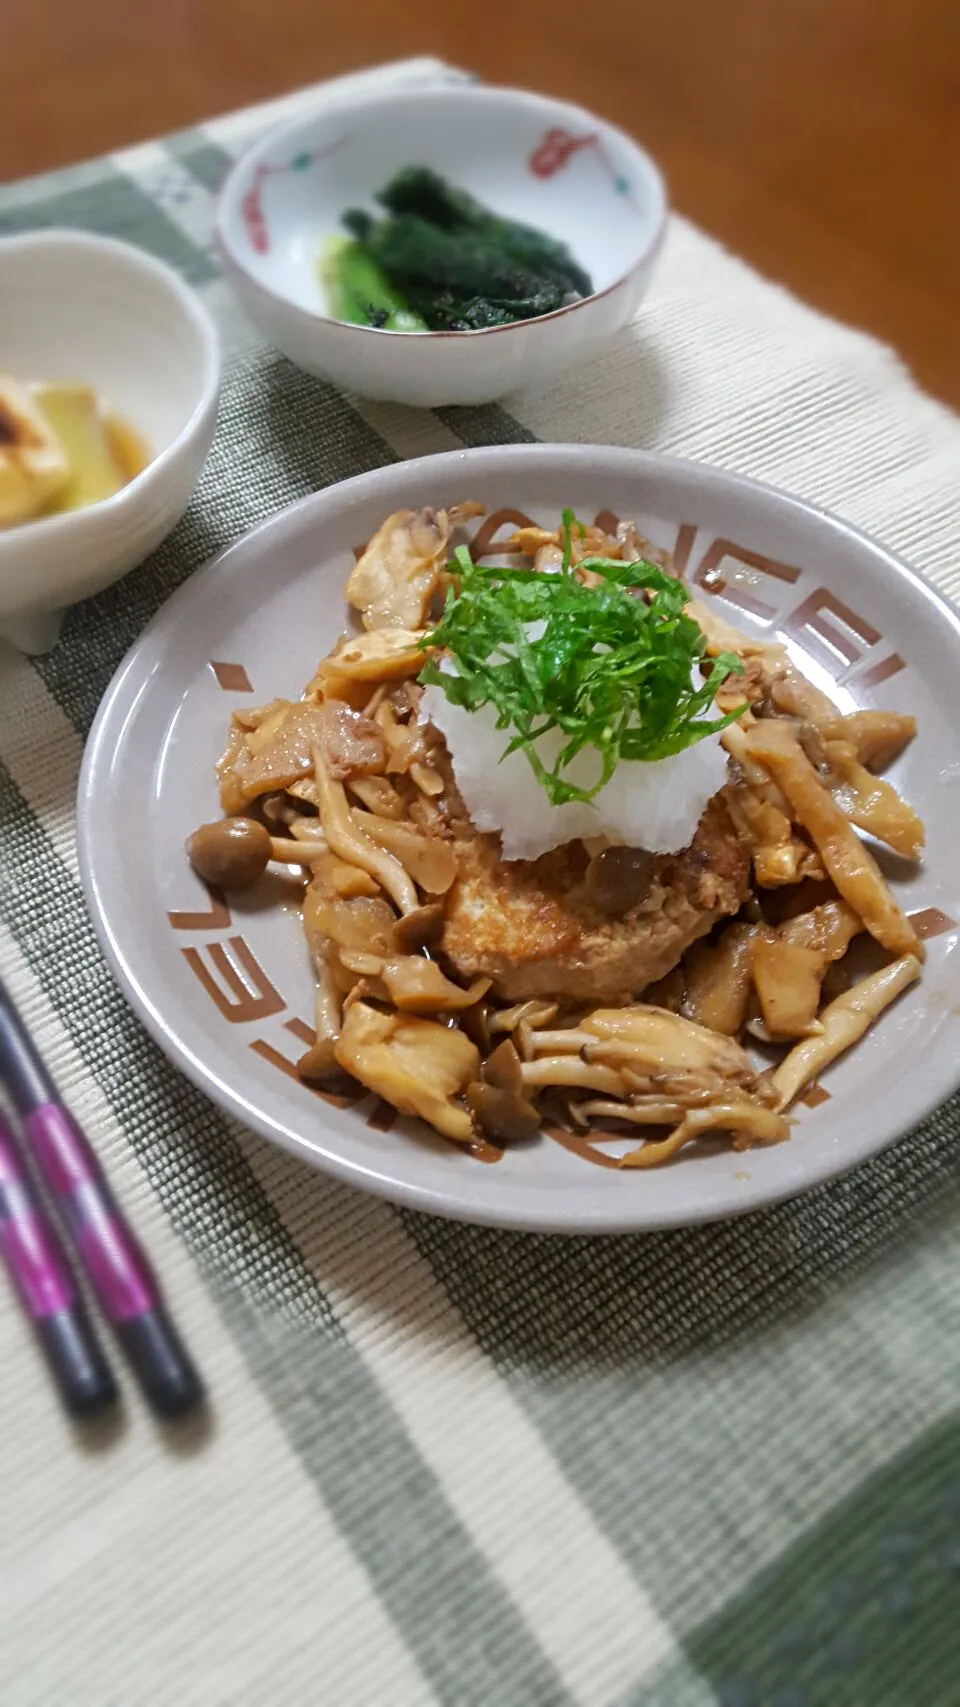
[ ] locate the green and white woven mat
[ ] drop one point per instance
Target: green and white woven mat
(450, 1467)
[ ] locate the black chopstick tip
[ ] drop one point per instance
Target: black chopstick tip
(86, 1404)
(82, 1374)
(165, 1373)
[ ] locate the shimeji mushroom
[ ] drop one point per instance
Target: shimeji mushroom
(651, 1040)
(230, 854)
(430, 862)
(749, 1123)
(347, 839)
(572, 1071)
(320, 1061)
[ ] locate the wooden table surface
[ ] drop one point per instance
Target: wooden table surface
(820, 139)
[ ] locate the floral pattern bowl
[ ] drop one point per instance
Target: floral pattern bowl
(529, 158)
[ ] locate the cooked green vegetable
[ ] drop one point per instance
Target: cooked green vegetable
(447, 260)
(409, 247)
(418, 190)
(610, 665)
(359, 291)
(446, 311)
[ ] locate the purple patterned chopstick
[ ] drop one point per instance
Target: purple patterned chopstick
(115, 1264)
(41, 1276)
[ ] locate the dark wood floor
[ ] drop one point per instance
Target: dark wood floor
(818, 138)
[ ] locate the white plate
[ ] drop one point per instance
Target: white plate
(857, 620)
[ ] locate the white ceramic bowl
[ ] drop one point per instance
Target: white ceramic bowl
(541, 161)
(78, 307)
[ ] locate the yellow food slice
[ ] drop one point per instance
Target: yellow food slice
(73, 412)
(34, 468)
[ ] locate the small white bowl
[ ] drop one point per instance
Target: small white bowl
(530, 158)
(76, 307)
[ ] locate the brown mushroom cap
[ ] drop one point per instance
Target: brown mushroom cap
(420, 929)
(619, 878)
(502, 1068)
(231, 854)
(500, 1115)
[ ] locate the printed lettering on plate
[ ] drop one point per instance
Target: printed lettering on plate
(835, 636)
(244, 992)
(287, 1065)
(830, 631)
(736, 592)
(214, 917)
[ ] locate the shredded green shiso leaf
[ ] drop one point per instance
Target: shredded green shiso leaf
(610, 665)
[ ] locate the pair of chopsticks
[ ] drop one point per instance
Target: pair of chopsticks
(54, 1149)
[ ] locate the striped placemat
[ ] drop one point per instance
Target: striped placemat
(718, 1468)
